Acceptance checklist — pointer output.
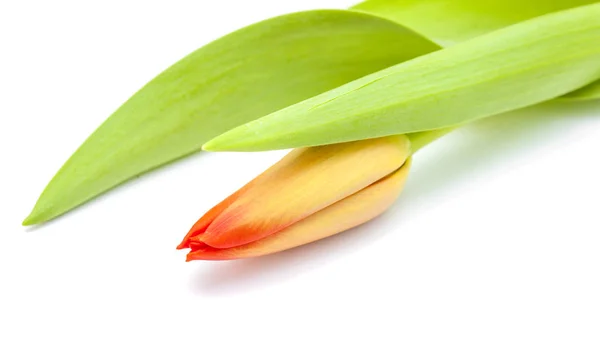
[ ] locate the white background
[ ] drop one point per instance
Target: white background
(492, 250)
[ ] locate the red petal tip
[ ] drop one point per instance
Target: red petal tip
(185, 244)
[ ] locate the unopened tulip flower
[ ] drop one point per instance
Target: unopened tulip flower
(310, 194)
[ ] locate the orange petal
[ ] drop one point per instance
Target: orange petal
(201, 225)
(302, 183)
(340, 216)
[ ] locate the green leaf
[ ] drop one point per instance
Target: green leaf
(261, 69)
(448, 22)
(591, 91)
(238, 78)
(510, 68)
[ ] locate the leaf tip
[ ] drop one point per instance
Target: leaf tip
(210, 147)
(37, 216)
(32, 219)
(225, 142)
(246, 138)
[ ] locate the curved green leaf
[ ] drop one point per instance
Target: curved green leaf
(510, 68)
(448, 22)
(255, 71)
(240, 77)
(591, 91)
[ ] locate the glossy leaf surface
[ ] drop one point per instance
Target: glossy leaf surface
(240, 77)
(448, 22)
(514, 67)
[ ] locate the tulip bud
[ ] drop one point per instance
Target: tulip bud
(310, 194)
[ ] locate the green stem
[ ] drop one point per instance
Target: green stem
(419, 140)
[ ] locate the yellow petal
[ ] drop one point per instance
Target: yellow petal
(340, 216)
(305, 181)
